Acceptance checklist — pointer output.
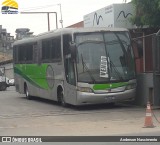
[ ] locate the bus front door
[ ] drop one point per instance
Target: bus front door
(70, 83)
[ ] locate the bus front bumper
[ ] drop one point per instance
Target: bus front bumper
(95, 98)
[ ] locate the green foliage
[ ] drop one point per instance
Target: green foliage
(147, 12)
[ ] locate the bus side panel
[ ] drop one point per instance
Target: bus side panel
(70, 93)
(24, 76)
(58, 79)
(53, 78)
(38, 83)
(18, 84)
(33, 91)
(19, 80)
(42, 80)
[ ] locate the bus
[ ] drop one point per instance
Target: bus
(76, 66)
(7, 9)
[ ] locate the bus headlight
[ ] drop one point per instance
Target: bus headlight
(131, 86)
(85, 89)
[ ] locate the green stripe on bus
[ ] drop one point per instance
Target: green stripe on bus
(109, 86)
(33, 73)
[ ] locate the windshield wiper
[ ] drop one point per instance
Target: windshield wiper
(85, 66)
(122, 46)
(116, 70)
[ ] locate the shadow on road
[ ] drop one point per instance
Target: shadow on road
(83, 107)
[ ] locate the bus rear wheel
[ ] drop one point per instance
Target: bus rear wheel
(28, 96)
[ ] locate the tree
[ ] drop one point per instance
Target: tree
(147, 12)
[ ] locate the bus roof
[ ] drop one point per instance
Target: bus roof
(76, 30)
(58, 32)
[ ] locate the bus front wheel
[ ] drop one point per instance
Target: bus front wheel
(61, 98)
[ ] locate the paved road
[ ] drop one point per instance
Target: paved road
(19, 116)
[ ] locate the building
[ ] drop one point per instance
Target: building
(23, 33)
(6, 41)
(115, 15)
(77, 25)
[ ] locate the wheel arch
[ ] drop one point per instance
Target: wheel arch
(59, 89)
(24, 87)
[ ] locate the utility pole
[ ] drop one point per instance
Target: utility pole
(61, 20)
(47, 17)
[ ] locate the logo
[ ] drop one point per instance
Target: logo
(124, 15)
(6, 139)
(9, 7)
(50, 76)
(97, 19)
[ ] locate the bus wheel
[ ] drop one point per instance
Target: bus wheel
(61, 98)
(27, 93)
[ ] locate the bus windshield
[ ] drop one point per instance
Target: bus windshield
(104, 57)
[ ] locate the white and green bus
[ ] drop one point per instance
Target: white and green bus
(76, 66)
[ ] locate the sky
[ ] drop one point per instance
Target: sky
(72, 12)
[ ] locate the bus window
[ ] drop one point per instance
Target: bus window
(56, 49)
(66, 40)
(46, 47)
(51, 50)
(29, 53)
(21, 54)
(36, 54)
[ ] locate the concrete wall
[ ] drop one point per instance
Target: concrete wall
(144, 89)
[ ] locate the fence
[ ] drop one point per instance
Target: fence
(143, 50)
(146, 45)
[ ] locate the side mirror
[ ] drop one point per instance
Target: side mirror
(73, 50)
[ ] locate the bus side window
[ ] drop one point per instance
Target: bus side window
(46, 50)
(66, 40)
(21, 54)
(29, 53)
(55, 51)
(51, 50)
(36, 53)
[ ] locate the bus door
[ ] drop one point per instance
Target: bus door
(70, 83)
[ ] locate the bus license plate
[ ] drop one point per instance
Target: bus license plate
(110, 98)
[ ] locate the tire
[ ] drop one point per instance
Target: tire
(61, 98)
(28, 96)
